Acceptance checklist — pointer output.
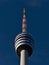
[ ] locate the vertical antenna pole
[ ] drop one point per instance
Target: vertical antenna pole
(24, 25)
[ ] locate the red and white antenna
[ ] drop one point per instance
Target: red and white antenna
(24, 25)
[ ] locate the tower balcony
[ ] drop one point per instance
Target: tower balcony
(24, 41)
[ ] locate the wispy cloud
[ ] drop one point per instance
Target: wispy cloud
(36, 2)
(3, 1)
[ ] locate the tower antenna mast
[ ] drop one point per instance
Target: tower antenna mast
(24, 24)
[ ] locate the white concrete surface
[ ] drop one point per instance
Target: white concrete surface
(24, 57)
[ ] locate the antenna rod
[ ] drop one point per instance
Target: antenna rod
(24, 25)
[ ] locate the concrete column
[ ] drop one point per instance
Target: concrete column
(24, 57)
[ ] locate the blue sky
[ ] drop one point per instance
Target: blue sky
(38, 26)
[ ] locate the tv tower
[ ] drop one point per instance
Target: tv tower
(24, 42)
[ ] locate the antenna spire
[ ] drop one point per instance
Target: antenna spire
(24, 25)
